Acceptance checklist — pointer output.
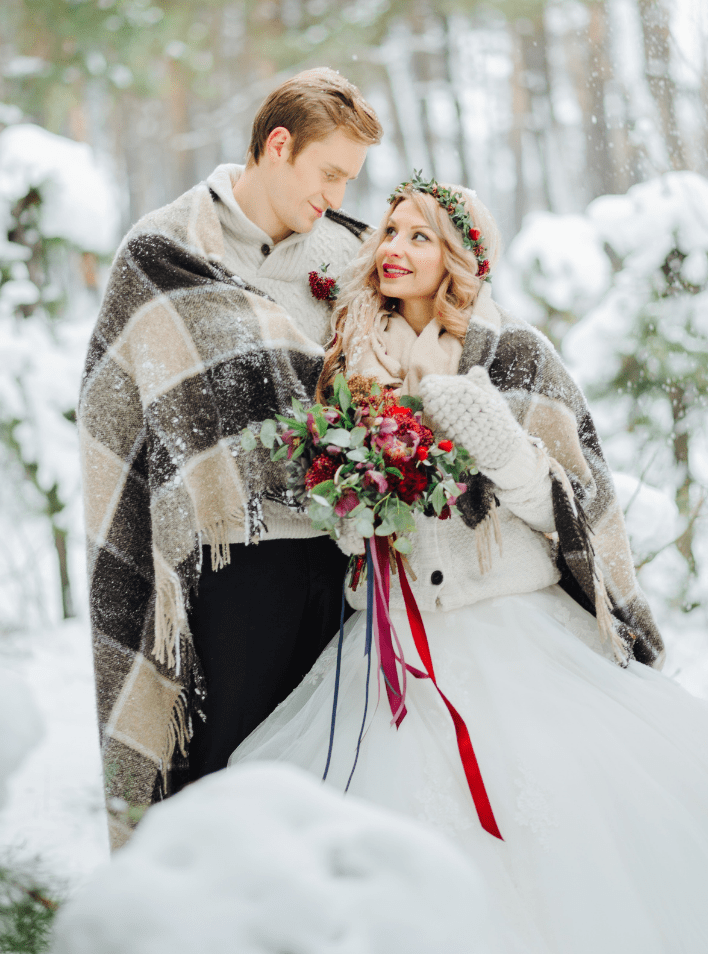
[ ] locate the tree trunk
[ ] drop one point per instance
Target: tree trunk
(67, 602)
(599, 72)
(520, 109)
(466, 175)
(656, 33)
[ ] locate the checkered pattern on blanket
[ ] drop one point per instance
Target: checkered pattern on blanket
(593, 549)
(184, 356)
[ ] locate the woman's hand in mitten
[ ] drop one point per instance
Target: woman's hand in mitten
(349, 540)
(470, 410)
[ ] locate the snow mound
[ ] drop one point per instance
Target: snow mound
(20, 726)
(79, 198)
(263, 858)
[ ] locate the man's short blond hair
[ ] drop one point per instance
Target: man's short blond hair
(311, 105)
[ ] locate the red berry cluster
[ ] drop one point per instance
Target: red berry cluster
(323, 468)
(322, 287)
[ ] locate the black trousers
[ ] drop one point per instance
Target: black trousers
(259, 624)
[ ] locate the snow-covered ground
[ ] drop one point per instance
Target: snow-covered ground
(265, 858)
(54, 811)
(53, 820)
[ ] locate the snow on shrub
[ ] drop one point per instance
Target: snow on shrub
(58, 216)
(265, 858)
(79, 199)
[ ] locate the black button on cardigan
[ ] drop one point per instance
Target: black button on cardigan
(436, 577)
(265, 249)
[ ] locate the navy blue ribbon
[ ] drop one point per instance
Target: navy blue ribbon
(367, 652)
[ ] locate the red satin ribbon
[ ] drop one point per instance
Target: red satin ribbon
(464, 743)
(396, 697)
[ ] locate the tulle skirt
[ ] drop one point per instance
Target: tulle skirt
(597, 775)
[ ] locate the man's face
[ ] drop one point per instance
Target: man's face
(301, 191)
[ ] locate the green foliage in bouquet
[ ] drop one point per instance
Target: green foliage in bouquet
(366, 457)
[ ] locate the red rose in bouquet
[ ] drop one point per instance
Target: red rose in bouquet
(366, 457)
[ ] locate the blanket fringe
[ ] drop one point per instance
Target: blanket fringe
(483, 533)
(178, 734)
(603, 603)
(218, 534)
(605, 620)
(170, 616)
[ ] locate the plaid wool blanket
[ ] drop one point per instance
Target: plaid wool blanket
(593, 551)
(184, 355)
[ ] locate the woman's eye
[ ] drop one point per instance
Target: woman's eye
(390, 231)
(421, 235)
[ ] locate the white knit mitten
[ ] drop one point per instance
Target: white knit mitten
(349, 540)
(471, 412)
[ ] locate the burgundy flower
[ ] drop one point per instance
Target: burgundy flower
(377, 479)
(475, 234)
(411, 484)
(346, 503)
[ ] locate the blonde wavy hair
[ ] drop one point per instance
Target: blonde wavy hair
(360, 300)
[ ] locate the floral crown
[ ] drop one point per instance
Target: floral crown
(454, 205)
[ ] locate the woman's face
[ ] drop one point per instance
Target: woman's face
(409, 260)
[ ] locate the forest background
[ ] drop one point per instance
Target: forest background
(583, 125)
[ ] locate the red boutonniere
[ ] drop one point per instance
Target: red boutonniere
(323, 286)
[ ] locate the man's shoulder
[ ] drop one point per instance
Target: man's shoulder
(187, 222)
(358, 228)
(336, 240)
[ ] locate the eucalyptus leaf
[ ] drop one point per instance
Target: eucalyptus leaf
(402, 544)
(386, 528)
(364, 527)
(403, 520)
(299, 451)
(358, 455)
(268, 432)
(357, 436)
(248, 440)
(438, 499)
(339, 437)
(322, 501)
(321, 511)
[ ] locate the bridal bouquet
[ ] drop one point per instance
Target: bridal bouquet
(367, 457)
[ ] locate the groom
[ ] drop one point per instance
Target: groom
(209, 324)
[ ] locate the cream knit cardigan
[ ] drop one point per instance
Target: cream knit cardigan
(512, 552)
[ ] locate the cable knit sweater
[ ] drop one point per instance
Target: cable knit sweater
(281, 271)
(512, 553)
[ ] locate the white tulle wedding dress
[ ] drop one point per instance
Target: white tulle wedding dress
(597, 775)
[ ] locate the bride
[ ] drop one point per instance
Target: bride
(595, 765)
